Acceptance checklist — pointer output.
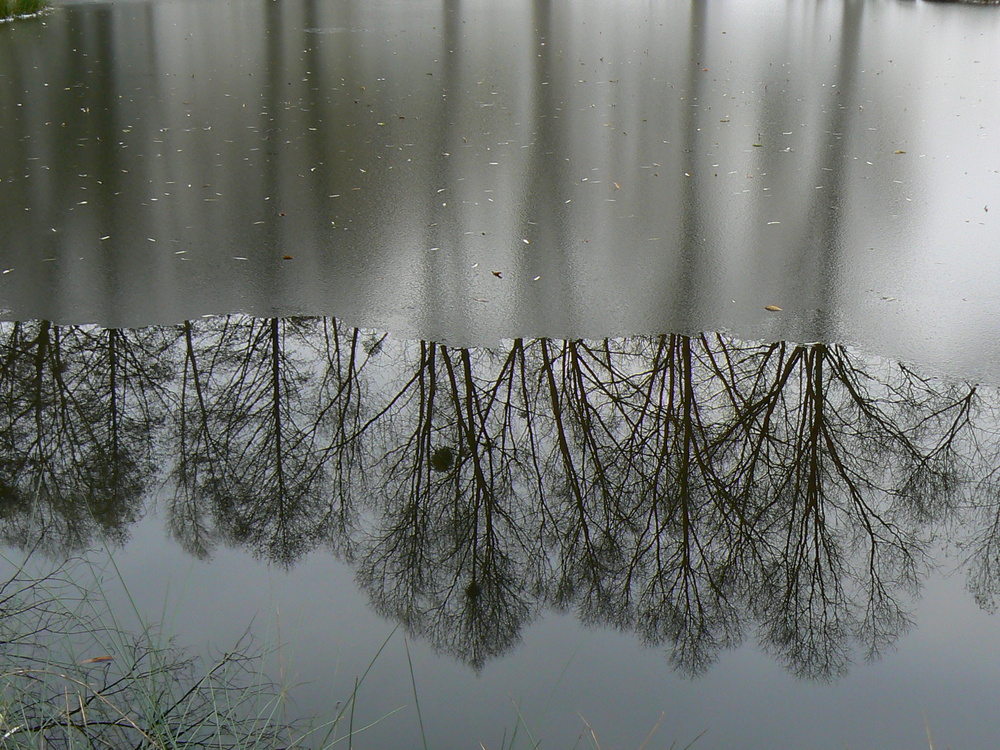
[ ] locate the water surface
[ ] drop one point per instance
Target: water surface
(619, 499)
(627, 170)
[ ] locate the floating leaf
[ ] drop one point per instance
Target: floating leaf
(498, 274)
(901, 151)
(772, 308)
(97, 660)
(286, 257)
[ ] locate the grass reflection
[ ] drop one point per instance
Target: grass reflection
(73, 675)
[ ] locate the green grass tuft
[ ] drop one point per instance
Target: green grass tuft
(17, 8)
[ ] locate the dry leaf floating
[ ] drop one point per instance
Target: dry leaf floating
(97, 660)
(498, 274)
(772, 308)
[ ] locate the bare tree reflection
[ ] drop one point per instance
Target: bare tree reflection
(346, 363)
(198, 463)
(697, 491)
(779, 485)
(245, 437)
(453, 554)
(979, 531)
(691, 489)
(853, 469)
(79, 406)
(268, 436)
(693, 540)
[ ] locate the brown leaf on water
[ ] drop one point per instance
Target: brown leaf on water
(286, 257)
(772, 308)
(97, 660)
(498, 274)
(899, 152)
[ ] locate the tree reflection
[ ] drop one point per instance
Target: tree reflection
(245, 441)
(844, 470)
(689, 489)
(694, 490)
(850, 469)
(979, 534)
(78, 406)
(779, 484)
(452, 553)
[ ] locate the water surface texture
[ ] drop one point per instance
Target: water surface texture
(636, 360)
(624, 167)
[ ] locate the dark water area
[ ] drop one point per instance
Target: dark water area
(636, 361)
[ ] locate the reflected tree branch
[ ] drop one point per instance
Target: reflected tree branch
(694, 490)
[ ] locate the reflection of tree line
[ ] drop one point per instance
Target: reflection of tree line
(691, 489)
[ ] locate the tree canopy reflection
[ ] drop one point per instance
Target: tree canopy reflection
(694, 490)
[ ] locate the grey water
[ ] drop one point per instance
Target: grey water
(631, 303)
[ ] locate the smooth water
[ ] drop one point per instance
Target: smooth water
(606, 518)
(626, 168)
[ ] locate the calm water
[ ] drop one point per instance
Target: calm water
(605, 514)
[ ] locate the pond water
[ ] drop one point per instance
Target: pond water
(637, 359)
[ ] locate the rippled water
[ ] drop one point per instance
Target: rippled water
(610, 515)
